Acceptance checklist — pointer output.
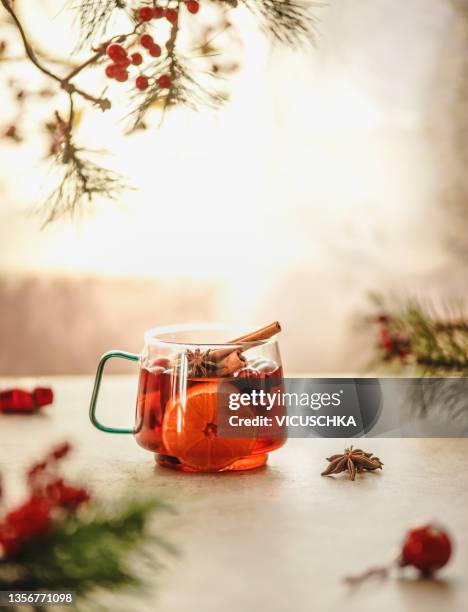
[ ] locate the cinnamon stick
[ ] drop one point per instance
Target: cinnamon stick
(265, 333)
(232, 363)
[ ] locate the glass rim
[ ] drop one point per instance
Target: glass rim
(152, 335)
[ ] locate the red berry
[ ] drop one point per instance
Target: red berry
(193, 6)
(155, 50)
(165, 81)
(142, 83)
(124, 64)
(111, 70)
(121, 76)
(60, 451)
(427, 548)
(172, 15)
(145, 13)
(65, 496)
(116, 52)
(27, 522)
(136, 59)
(146, 41)
(158, 12)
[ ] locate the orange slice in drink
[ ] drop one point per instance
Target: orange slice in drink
(189, 431)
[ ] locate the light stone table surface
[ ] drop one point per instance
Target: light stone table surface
(276, 539)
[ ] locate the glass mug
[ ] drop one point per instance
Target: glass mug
(181, 370)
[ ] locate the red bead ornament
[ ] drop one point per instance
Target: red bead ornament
(116, 52)
(155, 50)
(43, 396)
(136, 59)
(145, 13)
(16, 400)
(158, 12)
(22, 402)
(142, 83)
(164, 81)
(146, 41)
(171, 15)
(427, 548)
(193, 6)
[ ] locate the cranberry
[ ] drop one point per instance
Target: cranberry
(161, 362)
(158, 12)
(249, 373)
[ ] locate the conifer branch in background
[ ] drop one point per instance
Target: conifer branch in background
(413, 335)
(148, 59)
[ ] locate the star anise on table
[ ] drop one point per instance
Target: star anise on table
(199, 363)
(354, 460)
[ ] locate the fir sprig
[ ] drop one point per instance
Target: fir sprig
(415, 335)
(178, 79)
(290, 22)
(94, 18)
(83, 180)
(88, 550)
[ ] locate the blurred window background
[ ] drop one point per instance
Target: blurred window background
(331, 172)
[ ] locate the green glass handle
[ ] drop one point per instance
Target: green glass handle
(97, 384)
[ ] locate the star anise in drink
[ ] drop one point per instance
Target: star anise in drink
(353, 460)
(199, 363)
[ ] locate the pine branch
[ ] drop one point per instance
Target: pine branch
(166, 82)
(86, 551)
(94, 18)
(415, 336)
(82, 181)
(65, 82)
(290, 22)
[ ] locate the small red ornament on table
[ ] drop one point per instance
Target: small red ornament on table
(427, 548)
(18, 401)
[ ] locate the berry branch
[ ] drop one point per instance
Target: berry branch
(162, 72)
(64, 82)
(414, 336)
